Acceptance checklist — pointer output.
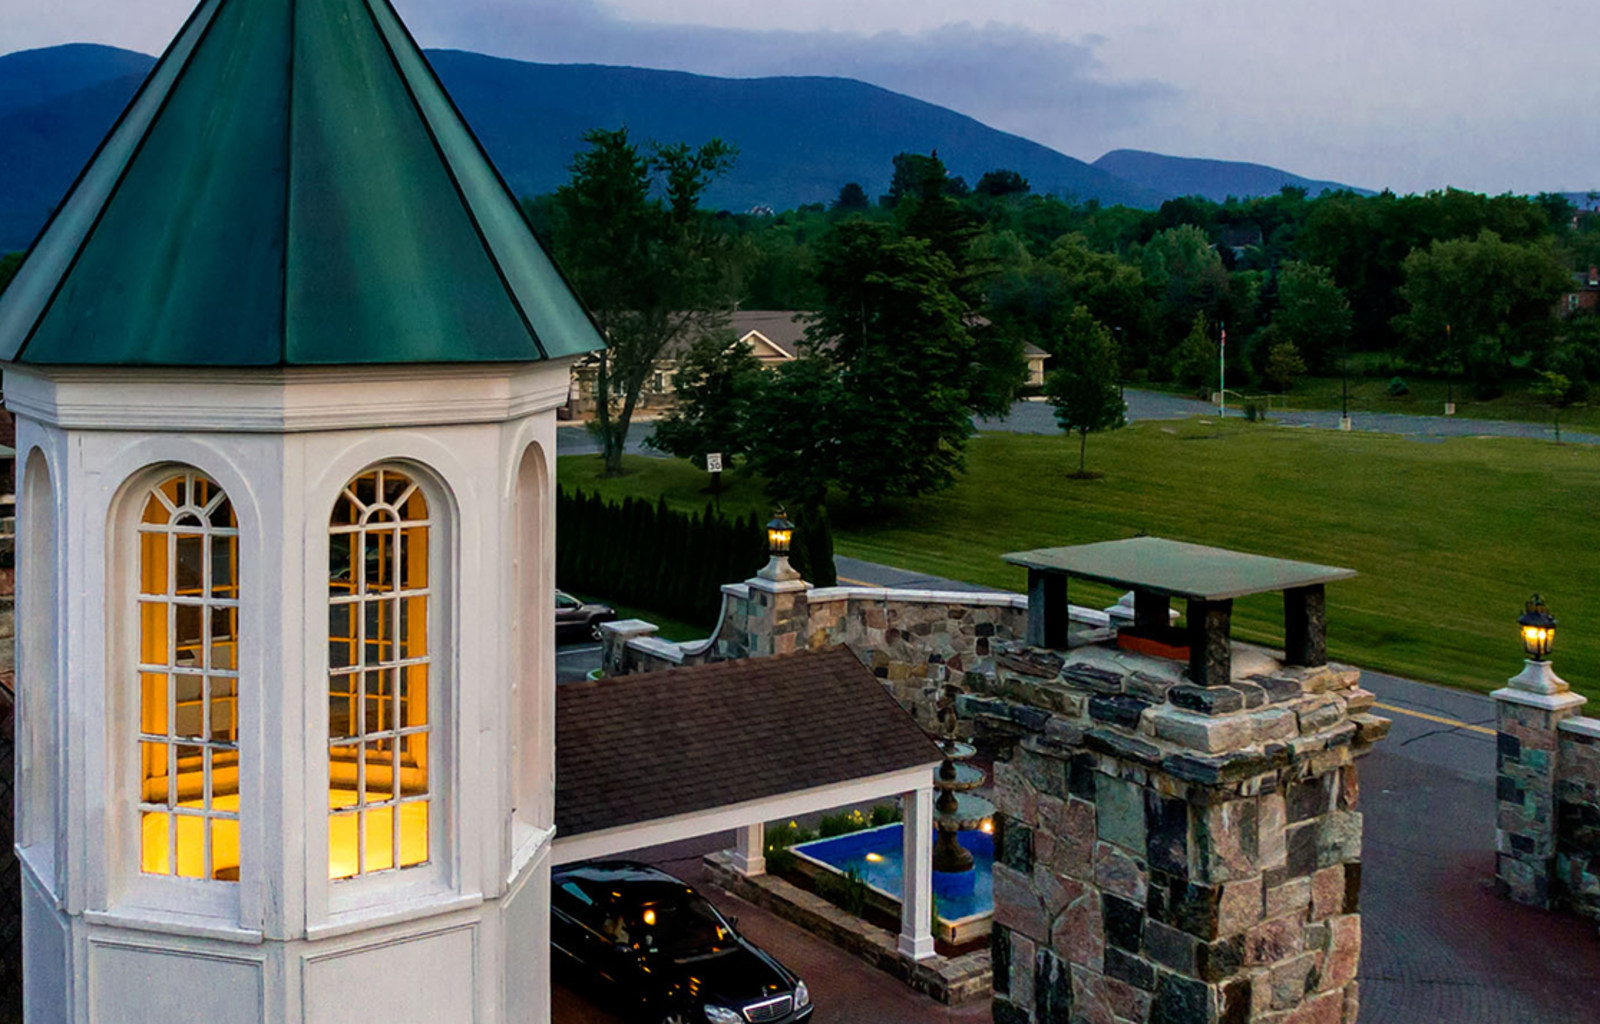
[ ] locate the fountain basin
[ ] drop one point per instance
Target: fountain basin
(965, 900)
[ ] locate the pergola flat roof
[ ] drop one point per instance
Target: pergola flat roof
(1177, 569)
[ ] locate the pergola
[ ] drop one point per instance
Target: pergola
(1207, 579)
(659, 757)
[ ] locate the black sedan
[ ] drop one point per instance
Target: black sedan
(642, 941)
(577, 620)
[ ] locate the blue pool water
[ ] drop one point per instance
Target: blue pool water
(959, 895)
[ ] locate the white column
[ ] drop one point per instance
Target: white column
(749, 857)
(916, 895)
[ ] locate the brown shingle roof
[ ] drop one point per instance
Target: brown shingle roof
(642, 747)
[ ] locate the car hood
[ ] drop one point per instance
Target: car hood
(742, 974)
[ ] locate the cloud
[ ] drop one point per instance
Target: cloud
(1040, 85)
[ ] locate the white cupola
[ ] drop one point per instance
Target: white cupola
(284, 366)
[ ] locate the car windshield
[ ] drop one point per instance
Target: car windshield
(681, 928)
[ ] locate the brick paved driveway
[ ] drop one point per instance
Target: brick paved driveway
(845, 990)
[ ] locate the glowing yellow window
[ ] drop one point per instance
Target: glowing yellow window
(189, 680)
(378, 662)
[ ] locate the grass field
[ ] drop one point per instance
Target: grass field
(1450, 537)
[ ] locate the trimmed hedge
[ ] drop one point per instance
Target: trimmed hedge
(675, 563)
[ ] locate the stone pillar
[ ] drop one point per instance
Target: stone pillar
(1530, 710)
(749, 854)
(1193, 860)
(1048, 611)
(614, 636)
(779, 616)
(916, 895)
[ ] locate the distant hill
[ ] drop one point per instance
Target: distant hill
(1214, 179)
(799, 139)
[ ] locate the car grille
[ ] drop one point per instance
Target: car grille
(772, 1009)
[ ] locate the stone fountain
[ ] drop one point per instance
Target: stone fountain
(957, 809)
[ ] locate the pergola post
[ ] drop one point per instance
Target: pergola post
(749, 854)
(1305, 626)
(1210, 649)
(916, 896)
(1048, 611)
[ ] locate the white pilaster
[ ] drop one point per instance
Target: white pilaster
(916, 896)
(749, 856)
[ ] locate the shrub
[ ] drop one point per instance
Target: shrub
(1398, 387)
(842, 823)
(847, 892)
(885, 814)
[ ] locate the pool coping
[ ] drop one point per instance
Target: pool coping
(957, 931)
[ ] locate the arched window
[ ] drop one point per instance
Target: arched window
(189, 680)
(378, 659)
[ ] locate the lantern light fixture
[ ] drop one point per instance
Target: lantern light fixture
(780, 534)
(1538, 629)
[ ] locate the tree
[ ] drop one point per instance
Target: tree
(1083, 384)
(1478, 303)
(1002, 183)
(1313, 313)
(650, 271)
(1186, 276)
(852, 198)
(880, 405)
(1283, 366)
(718, 386)
(1555, 391)
(1197, 359)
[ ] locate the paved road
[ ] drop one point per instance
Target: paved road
(1038, 418)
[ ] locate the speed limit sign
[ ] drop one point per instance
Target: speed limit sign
(714, 462)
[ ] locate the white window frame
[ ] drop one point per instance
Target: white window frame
(350, 900)
(213, 906)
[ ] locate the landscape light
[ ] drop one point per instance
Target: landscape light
(779, 533)
(1538, 629)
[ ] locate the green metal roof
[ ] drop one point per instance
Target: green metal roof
(1177, 569)
(292, 186)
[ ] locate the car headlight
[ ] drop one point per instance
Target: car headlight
(722, 1015)
(802, 995)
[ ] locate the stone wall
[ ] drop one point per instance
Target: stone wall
(1548, 793)
(1174, 854)
(916, 641)
(1577, 811)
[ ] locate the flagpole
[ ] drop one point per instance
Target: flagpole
(1222, 372)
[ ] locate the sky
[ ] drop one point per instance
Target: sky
(1405, 94)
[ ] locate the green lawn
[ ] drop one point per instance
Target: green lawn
(1450, 536)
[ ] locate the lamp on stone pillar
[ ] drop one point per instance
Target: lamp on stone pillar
(780, 534)
(1538, 629)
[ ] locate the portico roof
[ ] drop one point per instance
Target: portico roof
(684, 743)
(1177, 569)
(290, 187)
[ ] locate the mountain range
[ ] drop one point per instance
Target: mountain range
(799, 139)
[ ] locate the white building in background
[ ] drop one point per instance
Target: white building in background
(284, 367)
